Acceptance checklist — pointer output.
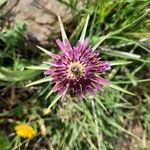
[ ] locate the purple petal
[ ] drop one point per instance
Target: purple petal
(104, 65)
(47, 72)
(77, 50)
(57, 65)
(85, 44)
(60, 86)
(65, 47)
(102, 81)
(60, 44)
(90, 91)
(55, 56)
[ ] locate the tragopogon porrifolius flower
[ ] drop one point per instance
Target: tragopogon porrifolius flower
(77, 69)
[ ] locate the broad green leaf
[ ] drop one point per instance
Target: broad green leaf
(84, 30)
(46, 79)
(120, 89)
(4, 141)
(16, 76)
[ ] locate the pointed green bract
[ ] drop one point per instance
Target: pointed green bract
(49, 93)
(54, 101)
(46, 79)
(100, 41)
(119, 62)
(82, 37)
(40, 67)
(44, 50)
(63, 33)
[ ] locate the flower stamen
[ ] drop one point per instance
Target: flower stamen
(75, 69)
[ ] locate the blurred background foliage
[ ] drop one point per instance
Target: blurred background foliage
(117, 118)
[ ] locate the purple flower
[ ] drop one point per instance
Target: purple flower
(77, 69)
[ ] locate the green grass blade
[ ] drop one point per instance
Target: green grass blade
(113, 123)
(101, 104)
(132, 41)
(120, 89)
(126, 55)
(129, 82)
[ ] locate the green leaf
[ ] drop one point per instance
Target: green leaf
(120, 89)
(84, 30)
(46, 79)
(16, 76)
(4, 141)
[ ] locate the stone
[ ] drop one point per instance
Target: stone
(40, 16)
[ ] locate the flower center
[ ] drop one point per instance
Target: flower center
(75, 69)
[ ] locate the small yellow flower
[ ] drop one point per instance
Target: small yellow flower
(25, 131)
